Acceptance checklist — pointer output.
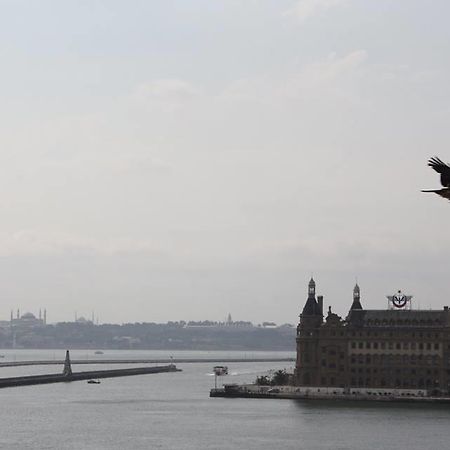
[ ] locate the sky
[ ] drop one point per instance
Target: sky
(182, 160)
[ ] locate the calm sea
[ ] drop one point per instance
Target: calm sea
(173, 411)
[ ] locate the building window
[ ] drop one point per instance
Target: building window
(397, 346)
(428, 346)
(436, 346)
(360, 345)
(375, 345)
(353, 344)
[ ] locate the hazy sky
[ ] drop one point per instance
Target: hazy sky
(183, 159)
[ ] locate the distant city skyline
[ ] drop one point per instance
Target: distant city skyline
(183, 160)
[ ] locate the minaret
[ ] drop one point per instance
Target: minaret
(45, 316)
(11, 316)
(356, 298)
(40, 314)
(18, 313)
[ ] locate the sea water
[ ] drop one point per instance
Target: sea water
(174, 411)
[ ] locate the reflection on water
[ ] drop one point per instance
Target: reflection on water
(173, 410)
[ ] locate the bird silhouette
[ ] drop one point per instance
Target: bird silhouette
(442, 168)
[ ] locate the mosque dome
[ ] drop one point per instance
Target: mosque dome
(28, 315)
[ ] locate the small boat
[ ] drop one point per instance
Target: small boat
(220, 370)
(93, 382)
(98, 352)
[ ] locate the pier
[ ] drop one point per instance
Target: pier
(50, 362)
(68, 376)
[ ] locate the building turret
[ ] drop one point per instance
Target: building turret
(312, 307)
(311, 319)
(356, 298)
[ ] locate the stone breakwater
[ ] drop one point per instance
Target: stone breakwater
(78, 376)
(51, 362)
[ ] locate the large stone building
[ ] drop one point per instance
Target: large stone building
(396, 348)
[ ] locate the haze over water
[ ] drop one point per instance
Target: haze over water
(173, 411)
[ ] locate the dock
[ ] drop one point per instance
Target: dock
(328, 394)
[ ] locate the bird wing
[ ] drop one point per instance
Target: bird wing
(442, 192)
(442, 168)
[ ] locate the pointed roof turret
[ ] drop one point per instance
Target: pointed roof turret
(311, 307)
(356, 298)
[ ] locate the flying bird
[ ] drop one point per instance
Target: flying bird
(442, 168)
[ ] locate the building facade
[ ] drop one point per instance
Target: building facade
(396, 348)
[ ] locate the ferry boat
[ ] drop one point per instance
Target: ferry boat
(93, 381)
(220, 370)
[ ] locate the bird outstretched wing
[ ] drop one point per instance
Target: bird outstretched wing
(442, 168)
(442, 192)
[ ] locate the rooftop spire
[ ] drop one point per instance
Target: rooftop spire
(311, 307)
(356, 298)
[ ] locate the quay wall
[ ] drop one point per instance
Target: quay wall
(326, 393)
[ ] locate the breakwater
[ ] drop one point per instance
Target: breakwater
(79, 376)
(50, 362)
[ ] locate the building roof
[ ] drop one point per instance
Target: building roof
(311, 308)
(405, 318)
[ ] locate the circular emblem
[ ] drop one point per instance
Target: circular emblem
(399, 300)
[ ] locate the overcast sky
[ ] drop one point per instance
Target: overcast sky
(186, 159)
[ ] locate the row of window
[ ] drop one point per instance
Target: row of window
(390, 334)
(396, 345)
(397, 383)
(397, 359)
(405, 372)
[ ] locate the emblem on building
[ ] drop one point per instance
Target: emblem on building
(399, 301)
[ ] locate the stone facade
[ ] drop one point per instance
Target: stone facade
(405, 348)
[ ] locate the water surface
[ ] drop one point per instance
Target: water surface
(173, 411)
